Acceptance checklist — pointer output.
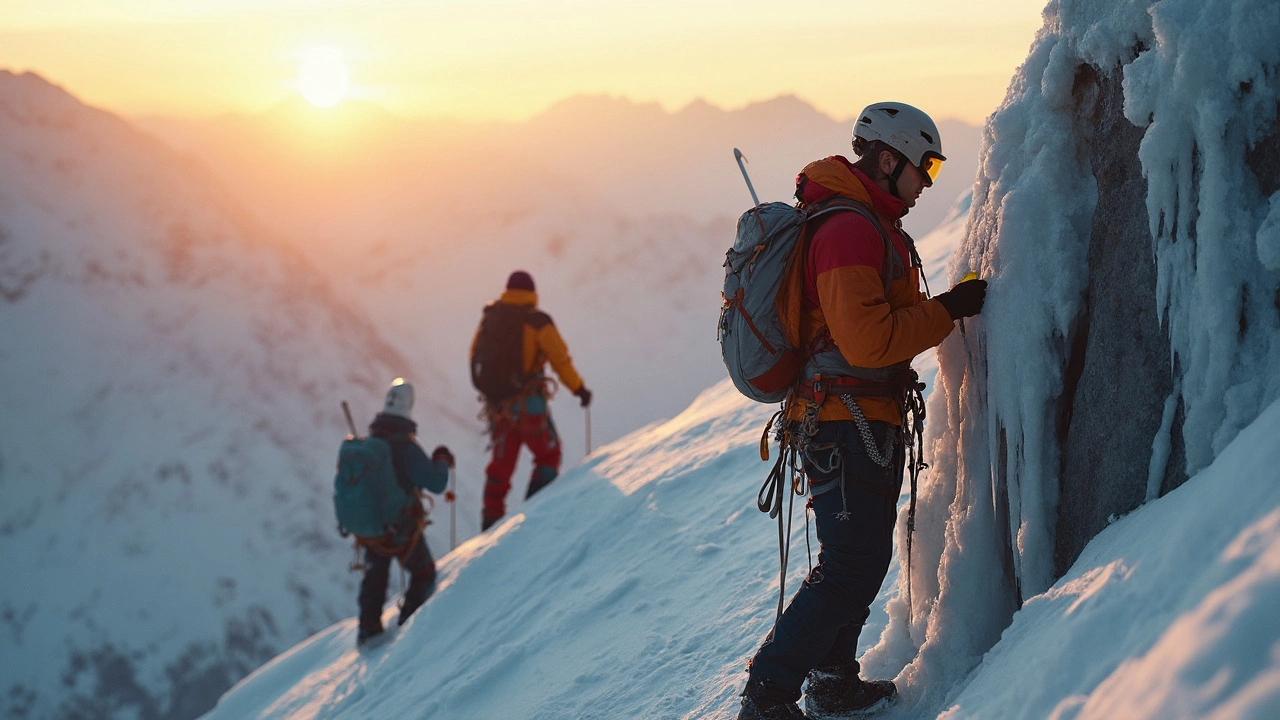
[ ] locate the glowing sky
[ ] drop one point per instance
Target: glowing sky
(509, 59)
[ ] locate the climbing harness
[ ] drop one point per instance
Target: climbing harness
(795, 438)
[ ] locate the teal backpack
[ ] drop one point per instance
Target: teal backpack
(367, 497)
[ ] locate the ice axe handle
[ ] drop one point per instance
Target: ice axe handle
(346, 410)
(971, 275)
(737, 155)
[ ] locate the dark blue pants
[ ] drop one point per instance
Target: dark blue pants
(821, 625)
(377, 570)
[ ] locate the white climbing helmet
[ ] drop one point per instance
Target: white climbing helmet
(906, 129)
(399, 399)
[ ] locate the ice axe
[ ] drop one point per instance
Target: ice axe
(742, 159)
(971, 275)
(346, 410)
(968, 354)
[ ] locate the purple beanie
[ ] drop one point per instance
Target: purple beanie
(520, 280)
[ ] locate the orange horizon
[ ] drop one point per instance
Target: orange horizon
(511, 60)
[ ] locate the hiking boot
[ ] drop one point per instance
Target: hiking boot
(759, 702)
(367, 633)
(838, 692)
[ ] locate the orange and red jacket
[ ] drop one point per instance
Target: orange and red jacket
(542, 342)
(845, 293)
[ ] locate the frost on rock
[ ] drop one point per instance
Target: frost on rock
(1123, 213)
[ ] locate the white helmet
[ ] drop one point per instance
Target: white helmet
(399, 399)
(906, 129)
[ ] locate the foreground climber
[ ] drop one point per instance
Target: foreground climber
(512, 346)
(864, 317)
(376, 496)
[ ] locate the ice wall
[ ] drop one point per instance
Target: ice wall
(1126, 213)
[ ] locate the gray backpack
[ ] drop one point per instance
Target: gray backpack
(761, 359)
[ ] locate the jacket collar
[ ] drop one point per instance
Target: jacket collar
(518, 297)
(386, 424)
(839, 178)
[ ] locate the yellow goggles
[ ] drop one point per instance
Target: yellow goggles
(931, 165)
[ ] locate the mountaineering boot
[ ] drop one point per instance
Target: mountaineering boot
(418, 592)
(838, 692)
(367, 633)
(760, 701)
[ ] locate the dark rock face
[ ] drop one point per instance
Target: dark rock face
(103, 681)
(1264, 160)
(1119, 373)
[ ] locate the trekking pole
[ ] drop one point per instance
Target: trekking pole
(587, 410)
(453, 509)
(346, 410)
(737, 154)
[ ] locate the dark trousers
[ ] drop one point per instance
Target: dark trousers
(820, 627)
(377, 571)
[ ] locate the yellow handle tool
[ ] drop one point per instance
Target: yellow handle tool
(971, 275)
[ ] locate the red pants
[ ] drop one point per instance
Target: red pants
(509, 433)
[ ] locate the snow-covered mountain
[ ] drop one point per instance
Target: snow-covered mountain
(1127, 215)
(169, 383)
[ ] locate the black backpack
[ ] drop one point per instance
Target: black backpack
(496, 358)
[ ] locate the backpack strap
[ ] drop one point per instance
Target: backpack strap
(395, 441)
(538, 320)
(891, 260)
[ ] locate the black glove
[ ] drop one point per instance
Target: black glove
(442, 454)
(584, 395)
(964, 300)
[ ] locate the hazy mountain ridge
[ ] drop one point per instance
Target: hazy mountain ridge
(170, 383)
(634, 157)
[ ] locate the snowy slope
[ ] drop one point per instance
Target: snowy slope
(640, 583)
(169, 386)
(635, 586)
(1169, 613)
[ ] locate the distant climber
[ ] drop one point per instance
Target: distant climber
(512, 346)
(377, 499)
(863, 318)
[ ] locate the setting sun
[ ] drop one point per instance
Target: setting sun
(323, 77)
